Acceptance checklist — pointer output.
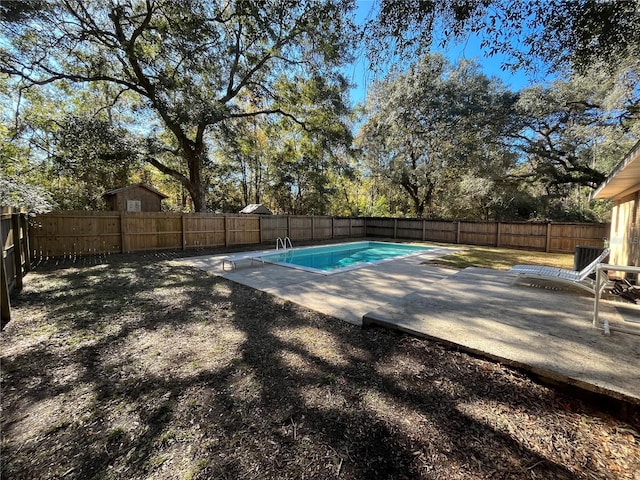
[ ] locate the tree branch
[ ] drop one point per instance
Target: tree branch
(236, 61)
(167, 170)
(269, 112)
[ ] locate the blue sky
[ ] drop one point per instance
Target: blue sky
(359, 75)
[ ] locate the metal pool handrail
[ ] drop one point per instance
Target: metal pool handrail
(283, 242)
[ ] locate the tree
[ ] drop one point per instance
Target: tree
(558, 33)
(19, 187)
(306, 159)
(20, 184)
(434, 123)
(246, 149)
(177, 67)
(288, 166)
(574, 132)
(555, 142)
(15, 192)
(96, 154)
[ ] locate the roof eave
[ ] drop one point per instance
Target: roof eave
(624, 179)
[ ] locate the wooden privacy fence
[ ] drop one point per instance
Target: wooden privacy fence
(15, 262)
(78, 233)
(536, 236)
(81, 233)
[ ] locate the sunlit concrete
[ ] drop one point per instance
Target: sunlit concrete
(347, 296)
(542, 329)
(539, 328)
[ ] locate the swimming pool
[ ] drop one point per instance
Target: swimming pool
(342, 257)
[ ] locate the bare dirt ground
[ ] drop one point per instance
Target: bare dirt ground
(126, 367)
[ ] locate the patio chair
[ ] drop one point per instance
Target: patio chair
(565, 276)
(234, 259)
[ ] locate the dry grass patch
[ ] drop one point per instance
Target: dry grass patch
(502, 258)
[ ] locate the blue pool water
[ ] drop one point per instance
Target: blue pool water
(346, 256)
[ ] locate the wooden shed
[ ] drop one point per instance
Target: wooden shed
(135, 198)
(256, 209)
(623, 187)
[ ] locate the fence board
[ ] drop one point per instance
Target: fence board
(440, 231)
(380, 227)
(143, 231)
(8, 257)
(203, 230)
(243, 230)
(478, 233)
(79, 233)
(567, 236)
(55, 235)
(523, 235)
(358, 227)
(300, 228)
(274, 226)
(341, 227)
(322, 228)
(409, 228)
(15, 261)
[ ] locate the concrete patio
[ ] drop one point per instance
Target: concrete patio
(540, 328)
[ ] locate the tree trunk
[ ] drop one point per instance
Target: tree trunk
(193, 184)
(198, 195)
(196, 188)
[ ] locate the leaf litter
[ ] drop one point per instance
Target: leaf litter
(149, 370)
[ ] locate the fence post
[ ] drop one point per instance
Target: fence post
(333, 230)
(350, 227)
(184, 233)
(260, 230)
(395, 228)
(123, 235)
(17, 249)
(497, 234)
(226, 231)
(458, 232)
(288, 226)
(5, 306)
(24, 219)
(547, 245)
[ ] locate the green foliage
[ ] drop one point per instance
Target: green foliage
(432, 125)
(96, 154)
(291, 163)
(15, 192)
(223, 104)
(20, 185)
(457, 145)
(561, 34)
(575, 132)
(177, 68)
(565, 122)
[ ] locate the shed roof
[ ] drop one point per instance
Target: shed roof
(625, 178)
(256, 208)
(135, 185)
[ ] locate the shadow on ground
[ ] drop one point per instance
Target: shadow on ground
(137, 369)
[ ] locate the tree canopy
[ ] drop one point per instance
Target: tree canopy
(220, 104)
(558, 33)
(433, 124)
(176, 67)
